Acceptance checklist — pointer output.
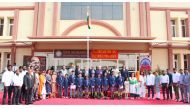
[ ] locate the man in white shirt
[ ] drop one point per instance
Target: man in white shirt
(150, 82)
(64, 70)
(181, 84)
(23, 91)
(175, 78)
(116, 71)
(7, 82)
(165, 82)
(17, 83)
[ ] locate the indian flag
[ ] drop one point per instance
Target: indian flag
(88, 20)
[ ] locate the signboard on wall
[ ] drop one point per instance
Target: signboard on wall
(145, 63)
(36, 61)
(104, 54)
(70, 54)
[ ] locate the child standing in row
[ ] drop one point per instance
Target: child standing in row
(126, 83)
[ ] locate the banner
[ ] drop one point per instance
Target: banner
(104, 54)
(35, 61)
(70, 54)
(145, 63)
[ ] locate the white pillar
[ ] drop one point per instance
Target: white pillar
(179, 29)
(2, 55)
(3, 59)
(181, 61)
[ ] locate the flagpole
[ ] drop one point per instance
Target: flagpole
(88, 34)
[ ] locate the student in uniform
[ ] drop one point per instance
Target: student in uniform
(92, 85)
(7, 82)
(66, 85)
(86, 86)
(126, 84)
(79, 83)
(112, 85)
(105, 85)
(17, 83)
(120, 83)
(98, 85)
(72, 84)
(59, 81)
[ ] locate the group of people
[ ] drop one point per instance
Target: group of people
(29, 84)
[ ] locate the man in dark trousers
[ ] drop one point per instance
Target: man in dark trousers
(17, 81)
(23, 91)
(79, 83)
(124, 72)
(8, 85)
(169, 88)
(29, 84)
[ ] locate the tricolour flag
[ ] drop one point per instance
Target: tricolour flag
(88, 20)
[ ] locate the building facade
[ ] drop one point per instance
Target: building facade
(131, 30)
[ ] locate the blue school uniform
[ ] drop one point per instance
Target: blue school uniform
(79, 86)
(120, 82)
(105, 83)
(112, 85)
(98, 84)
(86, 84)
(59, 81)
(92, 84)
(72, 81)
(66, 85)
(112, 82)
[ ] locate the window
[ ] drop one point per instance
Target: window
(98, 10)
(176, 61)
(1, 26)
(183, 28)
(185, 57)
(8, 60)
(10, 26)
(173, 27)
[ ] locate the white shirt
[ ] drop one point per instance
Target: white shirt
(17, 80)
(14, 68)
(116, 72)
(64, 71)
(7, 78)
(175, 77)
(24, 72)
(150, 80)
(164, 79)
